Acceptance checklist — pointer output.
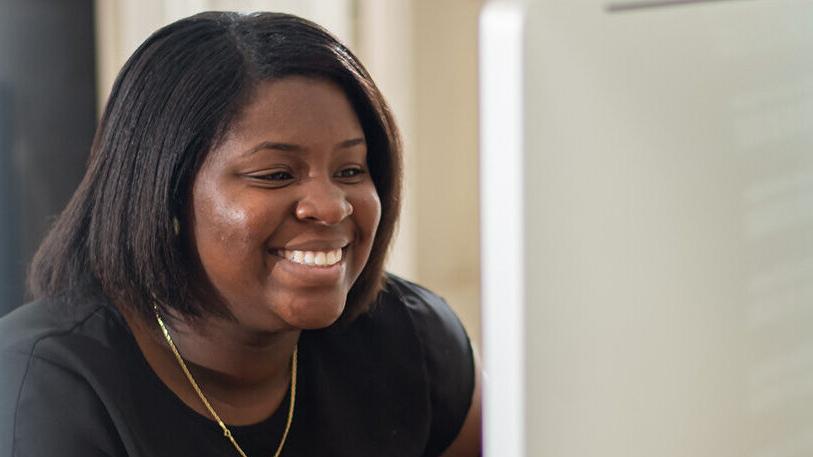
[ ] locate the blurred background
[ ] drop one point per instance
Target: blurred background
(58, 60)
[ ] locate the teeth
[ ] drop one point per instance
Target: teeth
(314, 258)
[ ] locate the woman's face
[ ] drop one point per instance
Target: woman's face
(284, 211)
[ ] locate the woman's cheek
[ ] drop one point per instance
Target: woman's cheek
(369, 206)
(234, 221)
(229, 223)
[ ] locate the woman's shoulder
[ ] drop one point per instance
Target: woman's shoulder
(34, 326)
(55, 335)
(49, 352)
(433, 319)
(448, 357)
(415, 299)
(405, 370)
(408, 323)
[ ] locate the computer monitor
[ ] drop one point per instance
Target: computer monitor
(647, 224)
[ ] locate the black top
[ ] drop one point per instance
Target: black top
(396, 382)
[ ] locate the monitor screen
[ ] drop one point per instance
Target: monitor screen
(647, 207)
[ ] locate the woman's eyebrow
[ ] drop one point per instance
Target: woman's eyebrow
(350, 143)
(290, 147)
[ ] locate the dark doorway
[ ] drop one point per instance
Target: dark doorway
(47, 119)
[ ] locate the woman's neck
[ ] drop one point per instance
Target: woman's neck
(233, 355)
(243, 372)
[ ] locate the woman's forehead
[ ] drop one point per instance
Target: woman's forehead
(296, 114)
(298, 108)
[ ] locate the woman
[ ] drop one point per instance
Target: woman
(215, 285)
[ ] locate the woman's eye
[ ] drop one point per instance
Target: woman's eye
(352, 172)
(276, 178)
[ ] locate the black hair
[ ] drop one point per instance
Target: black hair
(172, 102)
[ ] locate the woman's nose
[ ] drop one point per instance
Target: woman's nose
(323, 202)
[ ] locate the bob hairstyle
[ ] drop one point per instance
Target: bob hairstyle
(171, 104)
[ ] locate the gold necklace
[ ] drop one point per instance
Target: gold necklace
(226, 431)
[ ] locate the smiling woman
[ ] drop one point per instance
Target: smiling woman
(290, 176)
(215, 286)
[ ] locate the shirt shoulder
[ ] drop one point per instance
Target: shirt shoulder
(395, 381)
(429, 310)
(45, 347)
(61, 332)
(22, 329)
(447, 354)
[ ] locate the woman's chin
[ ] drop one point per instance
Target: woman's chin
(313, 316)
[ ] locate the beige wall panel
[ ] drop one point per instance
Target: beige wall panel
(446, 153)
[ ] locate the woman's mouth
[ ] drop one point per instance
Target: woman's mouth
(312, 267)
(312, 258)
